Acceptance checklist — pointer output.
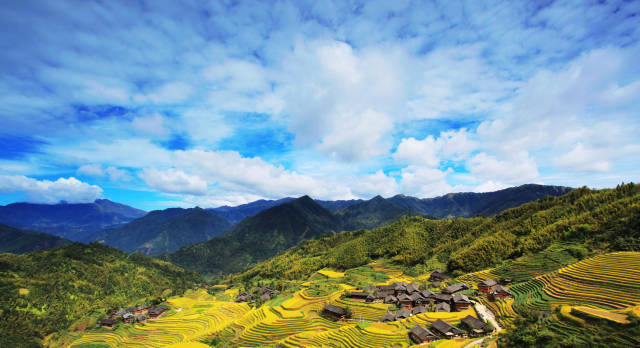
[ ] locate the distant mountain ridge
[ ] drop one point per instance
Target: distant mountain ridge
(164, 231)
(17, 241)
(73, 221)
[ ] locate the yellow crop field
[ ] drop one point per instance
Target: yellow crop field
(331, 274)
(605, 314)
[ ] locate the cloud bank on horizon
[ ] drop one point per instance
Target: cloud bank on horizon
(155, 103)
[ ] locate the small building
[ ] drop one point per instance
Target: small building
(335, 312)
(244, 297)
(443, 298)
(400, 288)
(418, 310)
(390, 299)
(419, 334)
(500, 292)
(461, 302)
(473, 325)
(371, 298)
(445, 330)
(443, 307)
(436, 284)
(141, 318)
(405, 301)
(128, 318)
(428, 294)
(358, 296)
(411, 288)
(107, 323)
(487, 286)
(388, 317)
(141, 309)
(403, 314)
(438, 275)
(156, 312)
(118, 313)
(452, 289)
(265, 297)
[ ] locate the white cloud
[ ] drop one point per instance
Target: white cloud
(169, 93)
(46, 191)
(153, 125)
(116, 174)
(174, 181)
(425, 182)
(490, 186)
(430, 152)
(520, 168)
(366, 185)
(94, 169)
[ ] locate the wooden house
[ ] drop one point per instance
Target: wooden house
(500, 292)
(403, 314)
(107, 323)
(141, 318)
(487, 286)
(141, 309)
(405, 301)
(265, 297)
(400, 288)
(461, 302)
(418, 310)
(445, 330)
(335, 312)
(452, 289)
(156, 312)
(443, 298)
(443, 307)
(438, 275)
(358, 296)
(390, 299)
(388, 317)
(411, 288)
(474, 326)
(419, 334)
(128, 318)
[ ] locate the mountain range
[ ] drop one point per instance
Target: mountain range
(17, 241)
(72, 221)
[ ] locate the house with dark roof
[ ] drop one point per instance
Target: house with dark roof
(128, 318)
(390, 299)
(244, 297)
(418, 310)
(452, 289)
(445, 330)
(411, 288)
(443, 307)
(141, 318)
(405, 301)
(436, 284)
(265, 297)
(403, 314)
(500, 292)
(443, 298)
(400, 288)
(461, 302)
(487, 286)
(107, 323)
(358, 295)
(141, 309)
(419, 334)
(335, 312)
(473, 325)
(156, 312)
(388, 317)
(438, 275)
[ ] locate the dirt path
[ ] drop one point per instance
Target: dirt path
(487, 315)
(473, 344)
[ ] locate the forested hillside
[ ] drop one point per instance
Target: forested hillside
(46, 291)
(258, 237)
(13, 240)
(164, 231)
(599, 219)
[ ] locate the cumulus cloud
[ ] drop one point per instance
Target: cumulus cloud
(521, 168)
(45, 191)
(174, 181)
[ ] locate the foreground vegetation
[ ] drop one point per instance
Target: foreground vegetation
(48, 291)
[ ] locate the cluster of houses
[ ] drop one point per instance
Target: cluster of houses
(471, 327)
(264, 292)
(132, 314)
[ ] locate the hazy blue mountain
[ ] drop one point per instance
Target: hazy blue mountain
(258, 237)
(337, 205)
(467, 204)
(17, 241)
(164, 231)
(371, 214)
(73, 221)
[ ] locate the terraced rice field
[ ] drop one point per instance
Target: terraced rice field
(331, 274)
(502, 310)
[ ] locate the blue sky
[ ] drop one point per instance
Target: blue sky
(183, 103)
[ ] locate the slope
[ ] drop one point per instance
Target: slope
(13, 240)
(371, 214)
(238, 213)
(45, 291)
(165, 231)
(72, 221)
(603, 219)
(258, 237)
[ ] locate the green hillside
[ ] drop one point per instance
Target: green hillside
(13, 240)
(46, 291)
(598, 219)
(369, 214)
(257, 238)
(165, 231)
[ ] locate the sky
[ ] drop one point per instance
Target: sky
(183, 103)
